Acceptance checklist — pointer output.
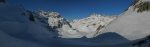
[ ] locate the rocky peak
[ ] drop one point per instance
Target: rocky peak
(54, 14)
(87, 27)
(142, 5)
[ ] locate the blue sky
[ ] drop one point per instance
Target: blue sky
(76, 9)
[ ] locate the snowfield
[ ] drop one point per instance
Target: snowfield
(18, 29)
(24, 28)
(132, 25)
(87, 27)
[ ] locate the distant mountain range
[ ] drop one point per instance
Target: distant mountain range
(25, 28)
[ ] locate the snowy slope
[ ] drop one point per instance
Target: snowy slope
(23, 28)
(17, 30)
(88, 27)
(91, 25)
(132, 24)
(103, 40)
(143, 42)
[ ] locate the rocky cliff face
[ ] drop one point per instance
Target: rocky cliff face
(142, 5)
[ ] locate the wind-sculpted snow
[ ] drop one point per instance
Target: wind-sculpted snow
(24, 28)
(109, 39)
(17, 30)
(131, 24)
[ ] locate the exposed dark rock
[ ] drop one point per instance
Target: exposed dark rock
(31, 17)
(144, 42)
(143, 6)
(100, 27)
(135, 1)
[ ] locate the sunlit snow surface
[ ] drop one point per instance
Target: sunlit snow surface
(87, 27)
(16, 30)
(131, 25)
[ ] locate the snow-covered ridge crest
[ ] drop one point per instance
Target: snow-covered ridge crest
(141, 5)
(54, 19)
(145, 0)
(132, 24)
(87, 27)
(92, 25)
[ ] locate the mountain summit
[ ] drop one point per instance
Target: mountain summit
(24, 28)
(87, 27)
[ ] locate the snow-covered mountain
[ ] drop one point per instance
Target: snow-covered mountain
(24, 28)
(53, 19)
(134, 23)
(87, 27)
(19, 28)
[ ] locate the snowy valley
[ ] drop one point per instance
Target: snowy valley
(24, 28)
